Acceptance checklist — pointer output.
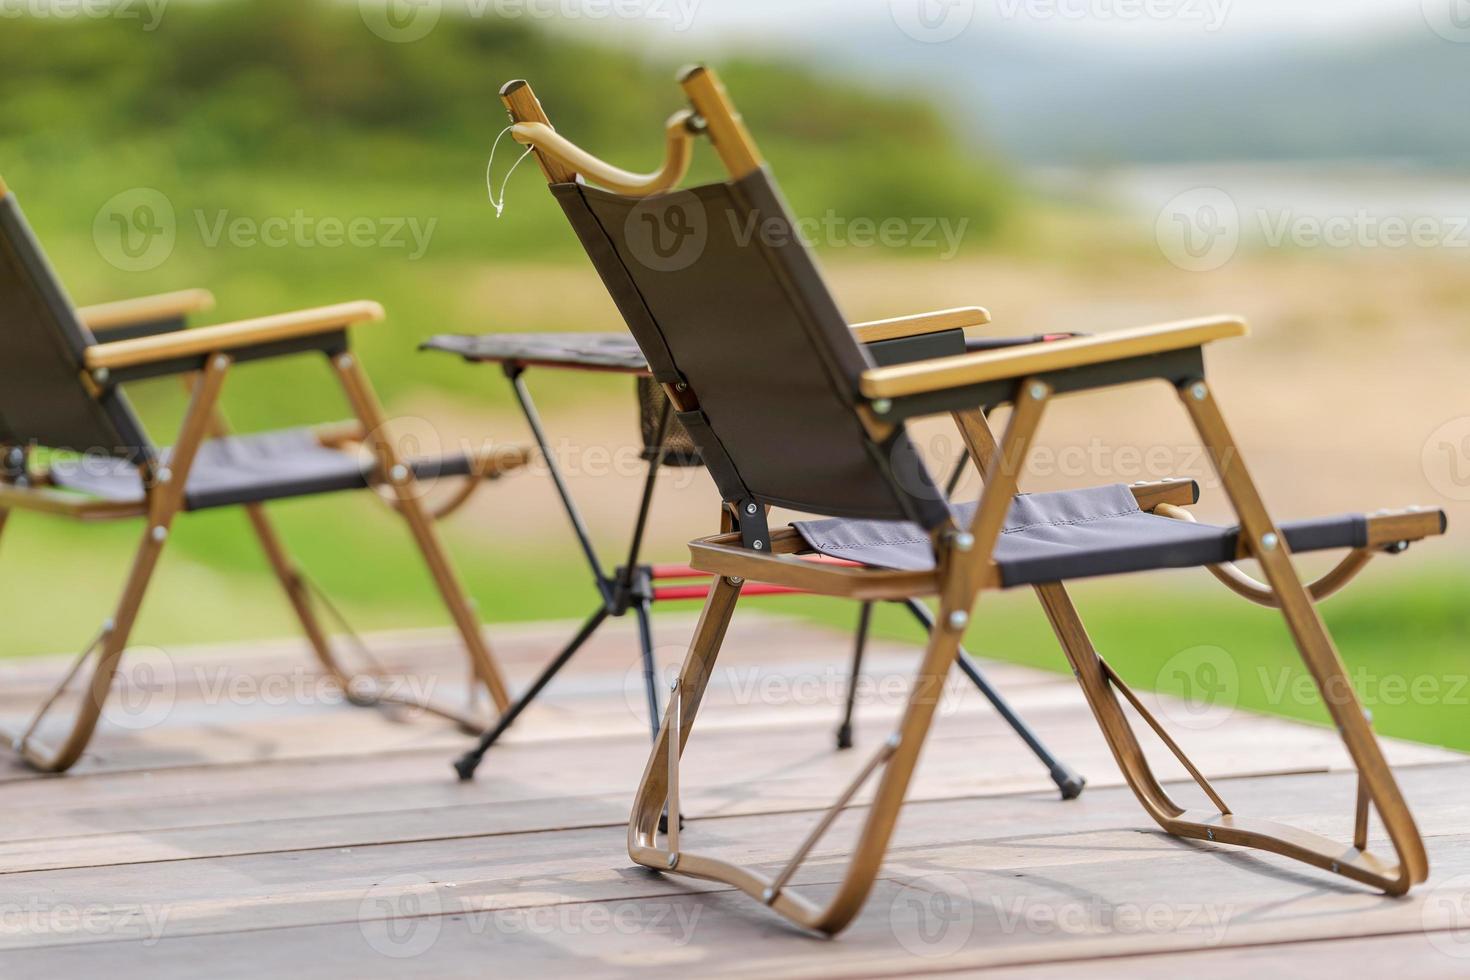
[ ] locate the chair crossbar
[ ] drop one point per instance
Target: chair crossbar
(879, 758)
(1116, 681)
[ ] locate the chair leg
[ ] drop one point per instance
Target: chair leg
(859, 645)
(650, 666)
(959, 586)
(644, 612)
(401, 479)
(166, 497)
(1099, 685)
(457, 602)
(112, 642)
(1377, 784)
(466, 764)
(897, 758)
(694, 676)
(1319, 653)
(296, 593)
(352, 683)
(1069, 781)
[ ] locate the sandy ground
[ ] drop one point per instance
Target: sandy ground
(1351, 394)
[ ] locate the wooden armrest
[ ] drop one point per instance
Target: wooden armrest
(225, 337)
(1390, 527)
(1019, 362)
(920, 323)
(148, 309)
(1176, 492)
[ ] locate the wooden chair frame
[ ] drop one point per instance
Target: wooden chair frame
(205, 356)
(967, 386)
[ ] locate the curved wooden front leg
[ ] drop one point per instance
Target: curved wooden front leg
(166, 487)
(898, 757)
(694, 676)
(1268, 546)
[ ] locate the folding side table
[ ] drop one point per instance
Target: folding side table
(635, 586)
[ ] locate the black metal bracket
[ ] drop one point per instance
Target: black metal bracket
(750, 518)
(630, 585)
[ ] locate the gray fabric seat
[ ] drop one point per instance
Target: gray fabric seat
(1053, 537)
(247, 469)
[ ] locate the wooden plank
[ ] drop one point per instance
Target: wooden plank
(986, 881)
(326, 841)
(206, 724)
(1437, 953)
(197, 673)
(357, 772)
(764, 747)
(205, 696)
(530, 793)
(733, 768)
(1024, 830)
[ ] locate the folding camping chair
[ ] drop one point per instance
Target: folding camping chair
(635, 586)
(788, 409)
(61, 391)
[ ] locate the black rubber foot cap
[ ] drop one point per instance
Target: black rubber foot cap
(466, 765)
(663, 823)
(844, 737)
(1070, 784)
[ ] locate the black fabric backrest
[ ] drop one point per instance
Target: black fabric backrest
(42, 398)
(721, 295)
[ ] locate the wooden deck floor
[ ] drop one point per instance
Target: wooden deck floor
(234, 820)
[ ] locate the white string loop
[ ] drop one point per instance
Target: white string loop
(499, 205)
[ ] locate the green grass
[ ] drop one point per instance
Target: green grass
(59, 579)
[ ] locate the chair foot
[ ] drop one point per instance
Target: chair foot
(1070, 783)
(663, 822)
(466, 765)
(844, 737)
